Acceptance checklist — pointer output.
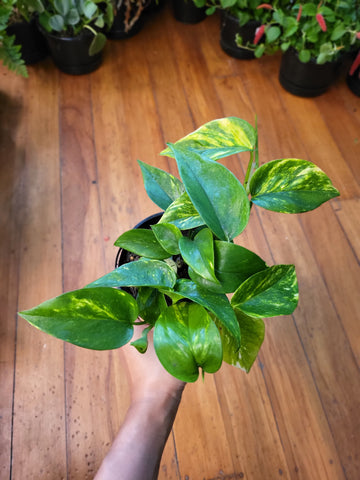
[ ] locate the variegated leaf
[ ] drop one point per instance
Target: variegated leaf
(216, 303)
(199, 254)
(216, 193)
(252, 336)
(268, 293)
(95, 318)
(141, 273)
(182, 214)
(162, 187)
(142, 242)
(290, 186)
(186, 338)
(168, 236)
(219, 138)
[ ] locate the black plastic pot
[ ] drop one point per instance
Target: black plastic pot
(124, 256)
(119, 30)
(33, 45)
(229, 29)
(353, 82)
(71, 54)
(306, 79)
(185, 11)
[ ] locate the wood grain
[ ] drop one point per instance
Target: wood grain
(70, 185)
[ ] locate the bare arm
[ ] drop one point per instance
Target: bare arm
(155, 397)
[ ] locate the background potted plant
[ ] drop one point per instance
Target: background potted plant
(189, 11)
(10, 52)
(128, 19)
(74, 31)
(184, 266)
(314, 37)
(22, 43)
(239, 20)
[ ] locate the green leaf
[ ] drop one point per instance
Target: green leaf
(182, 214)
(252, 337)
(95, 318)
(199, 254)
(62, 6)
(216, 303)
(290, 186)
(73, 17)
(234, 264)
(151, 303)
(161, 187)
(268, 293)
(338, 31)
(56, 23)
(141, 273)
(186, 338)
(168, 236)
(141, 343)
(97, 44)
(272, 34)
(143, 242)
(305, 56)
(216, 193)
(89, 9)
(219, 138)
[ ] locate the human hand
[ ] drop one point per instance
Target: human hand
(147, 377)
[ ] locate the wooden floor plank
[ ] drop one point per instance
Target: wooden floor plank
(39, 407)
(347, 211)
(11, 168)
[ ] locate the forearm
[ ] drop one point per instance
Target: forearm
(138, 447)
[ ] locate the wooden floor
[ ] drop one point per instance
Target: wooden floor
(70, 184)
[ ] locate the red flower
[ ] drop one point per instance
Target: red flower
(358, 35)
(258, 34)
(265, 5)
(321, 21)
(299, 13)
(355, 65)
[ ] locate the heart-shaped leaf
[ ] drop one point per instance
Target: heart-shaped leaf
(252, 336)
(141, 273)
(186, 338)
(216, 303)
(199, 254)
(290, 186)
(162, 187)
(219, 138)
(97, 44)
(268, 293)
(143, 242)
(234, 264)
(216, 193)
(95, 318)
(168, 236)
(182, 214)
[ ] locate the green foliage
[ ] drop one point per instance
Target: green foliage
(71, 17)
(184, 266)
(10, 53)
(320, 31)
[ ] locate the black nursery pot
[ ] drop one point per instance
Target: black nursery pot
(185, 11)
(353, 82)
(124, 256)
(71, 54)
(33, 45)
(229, 28)
(306, 79)
(118, 29)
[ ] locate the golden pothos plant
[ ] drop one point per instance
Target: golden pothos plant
(187, 263)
